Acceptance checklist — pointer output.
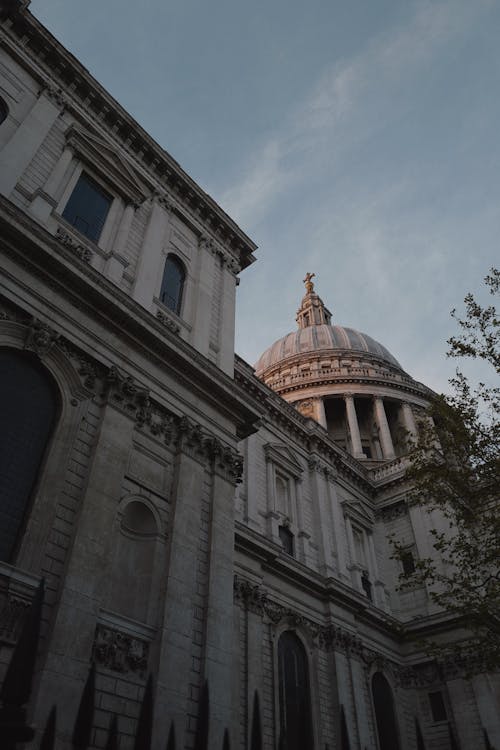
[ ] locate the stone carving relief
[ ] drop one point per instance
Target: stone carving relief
(12, 612)
(81, 251)
(167, 322)
(119, 651)
(40, 338)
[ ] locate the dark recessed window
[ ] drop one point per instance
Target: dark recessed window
(366, 585)
(172, 284)
(28, 406)
(286, 537)
(438, 708)
(4, 110)
(408, 563)
(88, 207)
(294, 696)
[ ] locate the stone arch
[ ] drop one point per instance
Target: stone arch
(29, 412)
(73, 403)
(294, 692)
(135, 537)
(385, 713)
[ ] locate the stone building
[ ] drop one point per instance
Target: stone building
(194, 518)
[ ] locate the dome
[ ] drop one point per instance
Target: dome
(323, 338)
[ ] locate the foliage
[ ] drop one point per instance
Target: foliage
(456, 471)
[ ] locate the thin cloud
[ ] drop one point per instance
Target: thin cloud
(343, 108)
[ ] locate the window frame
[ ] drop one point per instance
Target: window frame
(84, 174)
(182, 295)
(81, 167)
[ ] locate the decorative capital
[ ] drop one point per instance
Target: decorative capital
(41, 338)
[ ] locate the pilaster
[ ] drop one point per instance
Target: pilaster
(26, 140)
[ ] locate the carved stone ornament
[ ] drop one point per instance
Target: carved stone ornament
(328, 638)
(119, 651)
(12, 613)
(420, 675)
(40, 338)
(167, 322)
(81, 251)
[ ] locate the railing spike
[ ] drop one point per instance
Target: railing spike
(171, 737)
(225, 743)
(82, 730)
(144, 729)
(201, 737)
(49, 733)
(256, 737)
(345, 743)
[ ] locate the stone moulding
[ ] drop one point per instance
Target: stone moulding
(120, 652)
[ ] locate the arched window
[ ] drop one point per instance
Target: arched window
(4, 110)
(294, 694)
(28, 407)
(385, 715)
(172, 284)
(133, 562)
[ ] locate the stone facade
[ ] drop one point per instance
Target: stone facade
(185, 517)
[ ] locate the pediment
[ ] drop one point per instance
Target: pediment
(359, 511)
(109, 163)
(283, 457)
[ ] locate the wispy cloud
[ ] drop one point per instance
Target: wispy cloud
(350, 100)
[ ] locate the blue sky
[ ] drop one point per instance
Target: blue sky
(357, 139)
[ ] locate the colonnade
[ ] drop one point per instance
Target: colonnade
(380, 418)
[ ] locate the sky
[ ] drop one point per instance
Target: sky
(356, 139)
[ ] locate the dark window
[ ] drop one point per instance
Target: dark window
(366, 585)
(437, 706)
(295, 703)
(28, 406)
(385, 716)
(4, 110)
(286, 537)
(172, 284)
(408, 563)
(88, 207)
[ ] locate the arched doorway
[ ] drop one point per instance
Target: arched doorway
(383, 702)
(294, 694)
(28, 410)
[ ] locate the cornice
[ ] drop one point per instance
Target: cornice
(59, 72)
(60, 267)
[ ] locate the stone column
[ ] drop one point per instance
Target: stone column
(319, 408)
(25, 141)
(352, 419)
(46, 200)
(87, 575)
(117, 262)
(383, 426)
(409, 421)
(149, 266)
(219, 625)
(181, 614)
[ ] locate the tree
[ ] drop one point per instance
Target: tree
(455, 469)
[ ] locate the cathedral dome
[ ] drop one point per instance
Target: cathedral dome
(323, 338)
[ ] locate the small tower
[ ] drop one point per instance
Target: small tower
(312, 310)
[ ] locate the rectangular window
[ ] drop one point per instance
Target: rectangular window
(87, 207)
(286, 538)
(408, 562)
(438, 708)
